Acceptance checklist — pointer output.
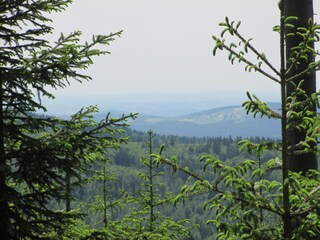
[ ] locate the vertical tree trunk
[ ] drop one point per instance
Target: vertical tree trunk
(105, 219)
(286, 217)
(68, 192)
(303, 9)
(151, 182)
(4, 211)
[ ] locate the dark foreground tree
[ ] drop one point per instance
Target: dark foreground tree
(32, 160)
(81, 144)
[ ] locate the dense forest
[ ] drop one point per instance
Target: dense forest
(126, 166)
(78, 178)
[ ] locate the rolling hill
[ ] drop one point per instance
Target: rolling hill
(223, 121)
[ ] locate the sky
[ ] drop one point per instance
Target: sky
(166, 45)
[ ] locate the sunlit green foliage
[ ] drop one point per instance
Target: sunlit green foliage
(38, 154)
(264, 200)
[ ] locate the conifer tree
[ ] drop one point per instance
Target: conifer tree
(32, 164)
(146, 220)
(288, 198)
(86, 142)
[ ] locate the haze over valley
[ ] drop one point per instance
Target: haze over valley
(194, 115)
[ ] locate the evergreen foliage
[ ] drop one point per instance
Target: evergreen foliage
(145, 220)
(249, 200)
(45, 162)
(38, 154)
(187, 151)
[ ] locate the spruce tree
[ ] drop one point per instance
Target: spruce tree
(32, 164)
(146, 220)
(277, 199)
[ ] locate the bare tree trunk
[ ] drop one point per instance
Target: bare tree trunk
(303, 9)
(286, 218)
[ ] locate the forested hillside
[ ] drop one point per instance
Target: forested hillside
(125, 165)
(216, 122)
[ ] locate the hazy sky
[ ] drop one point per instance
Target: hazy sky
(166, 45)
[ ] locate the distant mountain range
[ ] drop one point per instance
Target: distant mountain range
(170, 113)
(159, 104)
(223, 121)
